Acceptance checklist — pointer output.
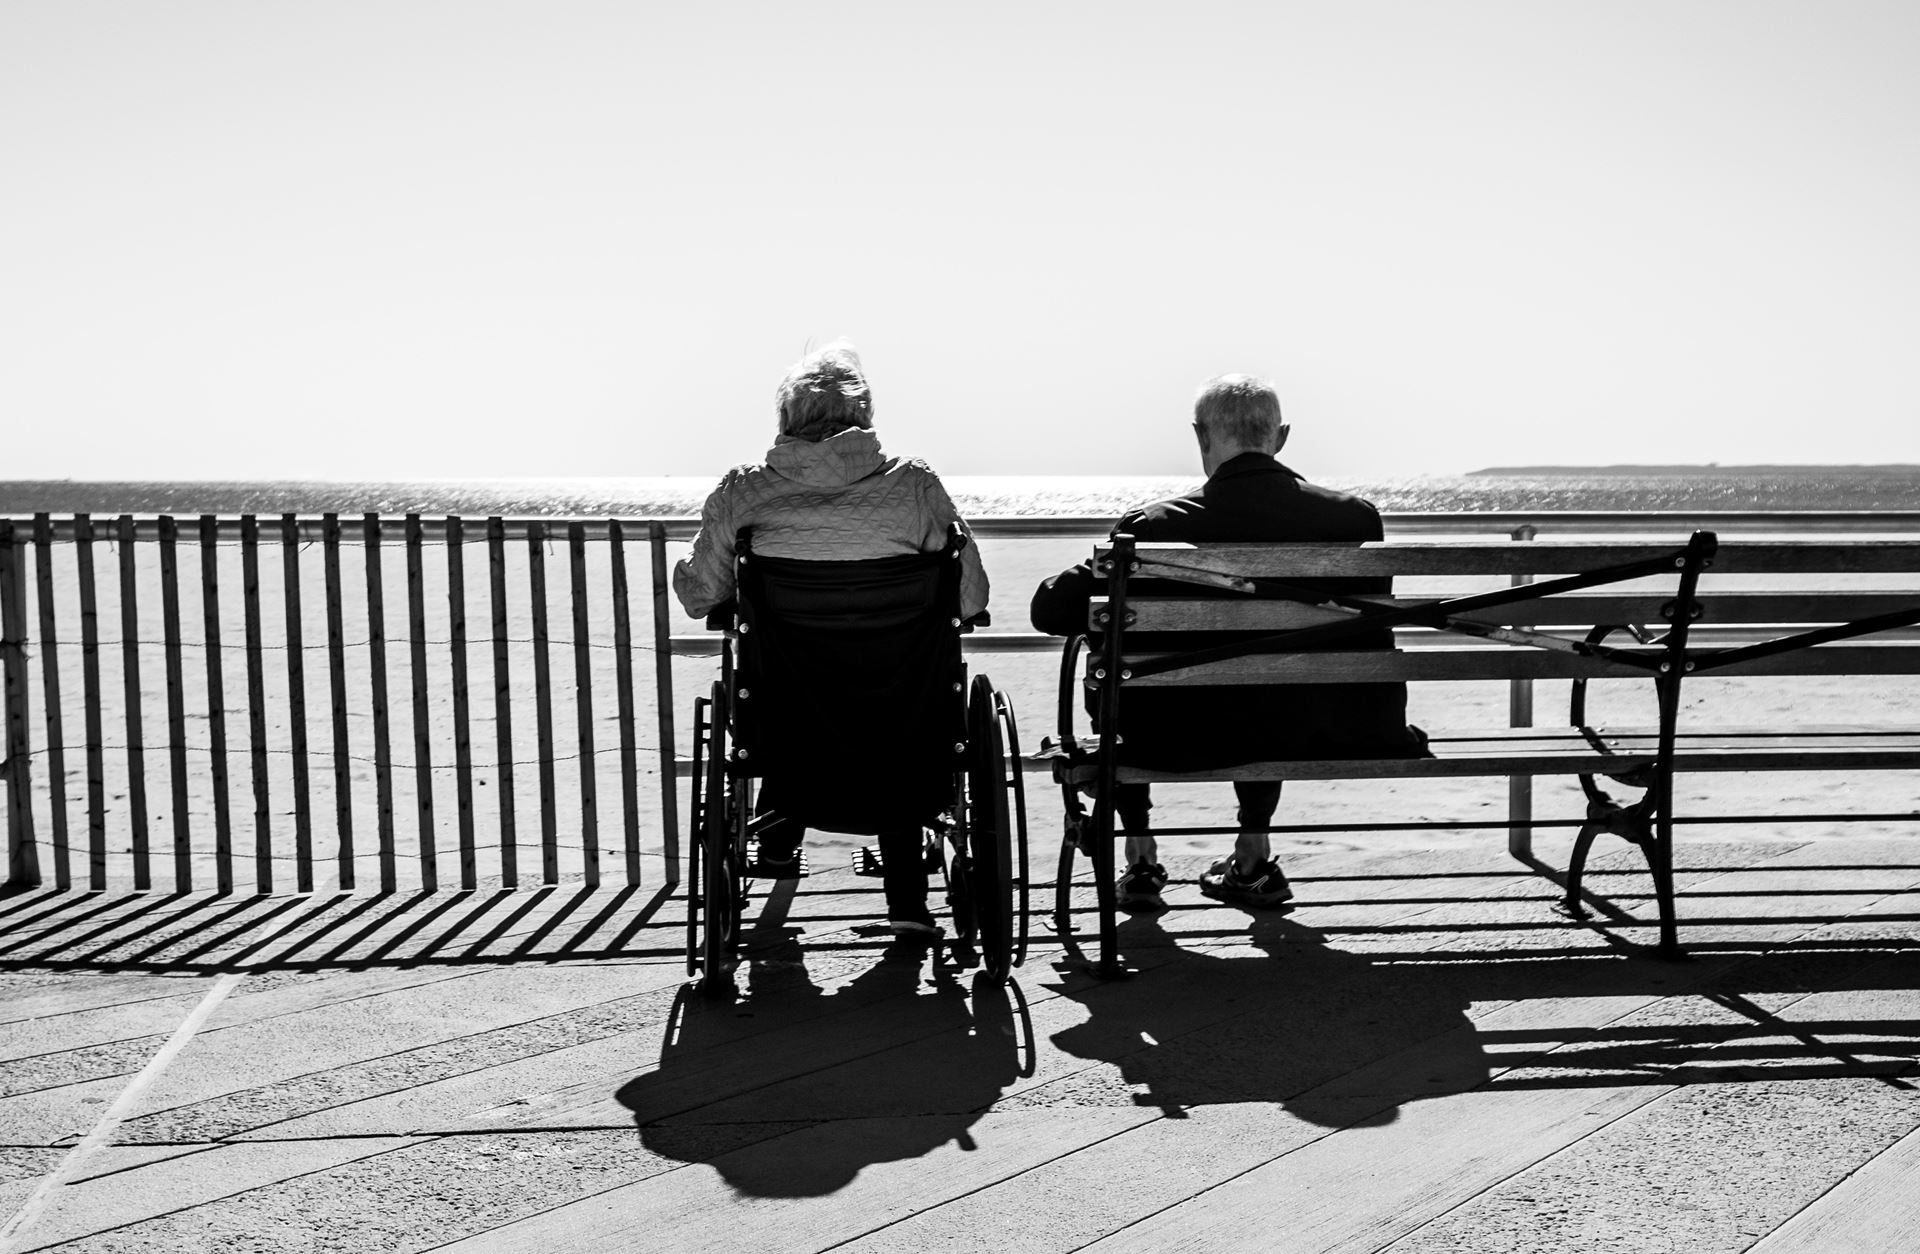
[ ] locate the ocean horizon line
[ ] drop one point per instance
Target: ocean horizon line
(1610, 489)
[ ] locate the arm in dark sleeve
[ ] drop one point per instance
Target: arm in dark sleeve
(1060, 603)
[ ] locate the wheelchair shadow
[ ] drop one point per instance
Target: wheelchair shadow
(1284, 1025)
(891, 1065)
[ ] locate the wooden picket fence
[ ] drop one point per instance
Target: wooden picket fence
(403, 721)
(327, 669)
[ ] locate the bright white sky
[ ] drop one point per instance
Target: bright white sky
(489, 238)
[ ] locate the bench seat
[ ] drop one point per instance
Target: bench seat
(1559, 751)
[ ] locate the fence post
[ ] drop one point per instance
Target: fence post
(663, 696)
(23, 855)
(583, 705)
(543, 702)
(1520, 714)
(90, 702)
(623, 696)
(502, 701)
(50, 690)
(136, 732)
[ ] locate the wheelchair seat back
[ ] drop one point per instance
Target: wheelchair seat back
(849, 695)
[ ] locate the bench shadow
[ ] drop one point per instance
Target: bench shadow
(1280, 1025)
(1345, 1039)
(900, 1060)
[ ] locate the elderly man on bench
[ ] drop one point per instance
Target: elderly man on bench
(1248, 496)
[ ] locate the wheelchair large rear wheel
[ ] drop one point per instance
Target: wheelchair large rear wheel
(721, 837)
(696, 834)
(996, 869)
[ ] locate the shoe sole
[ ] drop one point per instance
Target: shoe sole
(1240, 897)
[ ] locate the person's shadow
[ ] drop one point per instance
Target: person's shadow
(1327, 1035)
(897, 1062)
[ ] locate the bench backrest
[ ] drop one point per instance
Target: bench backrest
(1750, 592)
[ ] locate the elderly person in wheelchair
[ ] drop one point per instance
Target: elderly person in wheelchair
(828, 531)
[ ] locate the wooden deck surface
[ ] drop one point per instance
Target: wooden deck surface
(1421, 1056)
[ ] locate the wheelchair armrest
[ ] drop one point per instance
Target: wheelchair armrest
(721, 616)
(982, 619)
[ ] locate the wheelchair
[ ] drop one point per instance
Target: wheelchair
(843, 694)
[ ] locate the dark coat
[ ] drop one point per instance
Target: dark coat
(1251, 497)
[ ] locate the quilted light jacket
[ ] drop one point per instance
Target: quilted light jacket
(838, 499)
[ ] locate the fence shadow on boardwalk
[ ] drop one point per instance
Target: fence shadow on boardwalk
(202, 933)
(211, 933)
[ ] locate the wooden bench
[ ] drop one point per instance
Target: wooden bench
(1573, 610)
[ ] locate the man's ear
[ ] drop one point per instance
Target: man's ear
(1200, 434)
(1280, 441)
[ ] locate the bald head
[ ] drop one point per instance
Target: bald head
(1235, 414)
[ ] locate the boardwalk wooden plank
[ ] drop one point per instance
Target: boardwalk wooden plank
(62, 995)
(1367, 1184)
(362, 1038)
(129, 1187)
(50, 691)
(1087, 1192)
(1875, 1208)
(1785, 1142)
(377, 1194)
(877, 1171)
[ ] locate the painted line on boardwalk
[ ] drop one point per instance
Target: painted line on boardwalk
(123, 1105)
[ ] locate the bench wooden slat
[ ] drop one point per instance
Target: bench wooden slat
(1196, 614)
(1533, 557)
(1506, 662)
(1572, 751)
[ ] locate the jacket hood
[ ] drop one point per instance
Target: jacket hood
(842, 458)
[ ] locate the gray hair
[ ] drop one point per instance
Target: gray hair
(824, 393)
(1241, 410)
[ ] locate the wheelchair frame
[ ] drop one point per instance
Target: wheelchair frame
(980, 845)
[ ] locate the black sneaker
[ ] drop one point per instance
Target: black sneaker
(912, 921)
(1264, 885)
(1140, 887)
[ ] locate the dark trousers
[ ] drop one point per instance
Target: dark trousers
(1258, 798)
(902, 856)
